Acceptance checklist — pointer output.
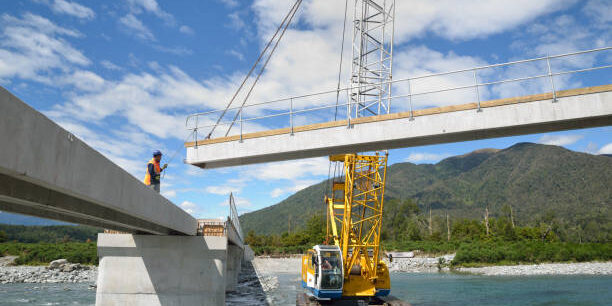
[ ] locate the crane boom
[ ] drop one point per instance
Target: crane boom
(356, 204)
(349, 264)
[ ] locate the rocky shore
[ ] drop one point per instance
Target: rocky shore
(58, 271)
(264, 269)
(582, 268)
(411, 263)
(408, 262)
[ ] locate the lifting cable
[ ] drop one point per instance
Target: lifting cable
(337, 99)
(284, 24)
(178, 149)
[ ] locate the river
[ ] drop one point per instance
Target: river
(417, 288)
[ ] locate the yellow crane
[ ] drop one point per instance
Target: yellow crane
(350, 263)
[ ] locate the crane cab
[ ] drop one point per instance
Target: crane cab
(322, 272)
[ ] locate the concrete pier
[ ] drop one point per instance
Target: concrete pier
(161, 270)
(166, 270)
(232, 267)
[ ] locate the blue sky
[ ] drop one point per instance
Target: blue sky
(123, 75)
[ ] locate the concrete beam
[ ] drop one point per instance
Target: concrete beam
(47, 172)
(569, 112)
(161, 270)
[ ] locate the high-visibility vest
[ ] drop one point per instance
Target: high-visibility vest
(147, 179)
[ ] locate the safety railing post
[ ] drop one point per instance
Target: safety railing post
(195, 132)
(552, 81)
(410, 101)
(477, 90)
(241, 123)
(291, 115)
(348, 108)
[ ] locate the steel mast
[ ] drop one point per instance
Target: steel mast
(372, 58)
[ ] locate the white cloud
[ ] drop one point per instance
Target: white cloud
(73, 9)
(466, 19)
(426, 157)
(295, 187)
(189, 207)
(109, 65)
(559, 140)
(186, 30)
(169, 194)
(230, 3)
(239, 201)
(139, 29)
(223, 190)
(414, 18)
(236, 54)
(150, 6)
(236, 20)
(600, 10)
(291, 170)
(86, 81)
(607, 149)
(33, 48)
(173, 50)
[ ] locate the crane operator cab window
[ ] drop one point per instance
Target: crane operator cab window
(331, 270)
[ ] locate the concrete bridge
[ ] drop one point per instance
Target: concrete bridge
(159, 259)
(572, 109)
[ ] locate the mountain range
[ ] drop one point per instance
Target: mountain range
(535, 180)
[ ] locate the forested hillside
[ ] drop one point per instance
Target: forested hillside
(538, 184)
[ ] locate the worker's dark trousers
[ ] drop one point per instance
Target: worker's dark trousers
(155, 187)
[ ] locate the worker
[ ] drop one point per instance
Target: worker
(153, 176)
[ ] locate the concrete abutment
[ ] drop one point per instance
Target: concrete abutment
(165, 270)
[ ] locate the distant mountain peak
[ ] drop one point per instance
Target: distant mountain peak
(479, 151)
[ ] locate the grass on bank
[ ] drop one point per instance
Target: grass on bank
(42, 253)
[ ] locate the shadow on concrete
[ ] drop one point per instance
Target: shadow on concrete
(161, 270)
(249, 290)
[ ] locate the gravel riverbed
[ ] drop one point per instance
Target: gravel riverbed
(270, 266)
(40, 274)
(581, 268)
(262, 273)
(58, 271)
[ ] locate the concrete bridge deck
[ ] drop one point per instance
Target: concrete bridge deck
(574, 109)
(46, 171)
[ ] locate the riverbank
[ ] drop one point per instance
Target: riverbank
(581, 268)
(264, 270)
(58, 271)
(40, 274)
(267, 267)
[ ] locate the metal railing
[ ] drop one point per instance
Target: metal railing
(233, 217)
(288, 105)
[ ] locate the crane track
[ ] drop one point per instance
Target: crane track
(303, 299)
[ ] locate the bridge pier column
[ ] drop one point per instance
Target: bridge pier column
(233, 266)
(161, 270)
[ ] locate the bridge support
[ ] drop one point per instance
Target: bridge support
(233, 265)
(163, 270)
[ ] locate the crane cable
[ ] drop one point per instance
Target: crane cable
(261, 55)
(180, 146)
(337, 94)
(291, 14)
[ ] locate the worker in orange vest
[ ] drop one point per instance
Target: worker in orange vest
(153, 176)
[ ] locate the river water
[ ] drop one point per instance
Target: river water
(418, 289)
